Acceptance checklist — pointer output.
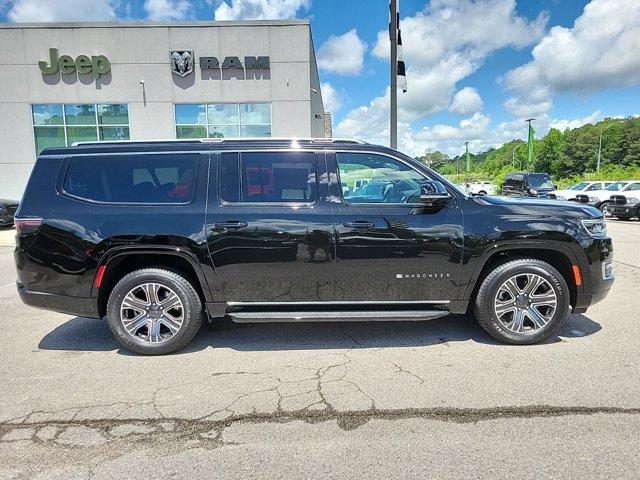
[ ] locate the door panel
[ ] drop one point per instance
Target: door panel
(270, 228)
(389, 247)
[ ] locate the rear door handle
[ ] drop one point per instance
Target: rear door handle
(231, 224)
(359, 224)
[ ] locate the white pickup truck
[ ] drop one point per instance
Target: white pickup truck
(478, 188)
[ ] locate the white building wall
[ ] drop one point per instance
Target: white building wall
(141, 53)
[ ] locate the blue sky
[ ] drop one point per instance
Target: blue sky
(475, 68)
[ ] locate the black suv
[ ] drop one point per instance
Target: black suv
(159, 236)
(525, 184)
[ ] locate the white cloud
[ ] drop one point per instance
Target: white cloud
(563, 124)
(163, 10)
(330, 98)
(466, 101)
(599, 51)
(259, 9)
(342, 54)
(61, 11)
(443, 44)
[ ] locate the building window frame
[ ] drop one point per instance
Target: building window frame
(207, 126)
(65, 126)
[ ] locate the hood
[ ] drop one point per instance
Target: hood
(541, 206)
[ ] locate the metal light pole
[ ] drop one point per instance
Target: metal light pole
(529, 142)
(393, 113)
(466, 146)
(600, 145)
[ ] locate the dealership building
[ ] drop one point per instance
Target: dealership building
(66, 83)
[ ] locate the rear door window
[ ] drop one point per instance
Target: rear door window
(268, 177)
(146, 178)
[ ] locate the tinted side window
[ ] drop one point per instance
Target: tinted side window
(387, 180)
(148, 178)
(288, 177)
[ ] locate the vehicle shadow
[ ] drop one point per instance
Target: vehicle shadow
(83, 334)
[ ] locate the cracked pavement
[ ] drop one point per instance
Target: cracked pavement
(425, 399)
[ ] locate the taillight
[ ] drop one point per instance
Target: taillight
(27, 225)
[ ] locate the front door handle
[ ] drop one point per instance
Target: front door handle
(231, 224)
(359, 224)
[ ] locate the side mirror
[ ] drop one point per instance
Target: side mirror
(433, 193)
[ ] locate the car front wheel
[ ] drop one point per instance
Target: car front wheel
(153, 311)
(522, 301)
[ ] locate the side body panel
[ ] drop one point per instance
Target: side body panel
(281, 253)
(77, 236)
(408, 253)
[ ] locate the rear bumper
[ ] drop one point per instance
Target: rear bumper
(81, 307)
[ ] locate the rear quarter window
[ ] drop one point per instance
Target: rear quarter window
(147, 178)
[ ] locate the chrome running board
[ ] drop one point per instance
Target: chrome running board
(337, 316)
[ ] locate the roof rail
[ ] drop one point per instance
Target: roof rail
(225, 140)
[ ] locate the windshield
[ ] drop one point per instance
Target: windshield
(614, 187)
(540, 181)
(579, 186)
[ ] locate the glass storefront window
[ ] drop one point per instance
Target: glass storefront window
(47, 114)
(223, 120)
(80, 114)
(62, 125)
(116, 114)
(188, 114)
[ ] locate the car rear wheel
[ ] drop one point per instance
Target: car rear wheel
(522, 301)
(604, 208)
(154, 311)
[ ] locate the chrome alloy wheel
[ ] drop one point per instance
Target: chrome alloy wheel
(151, 313)
(525, 303)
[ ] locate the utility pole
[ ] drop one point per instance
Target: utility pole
(600, 145)
(393, 36)
(530, 134)
(466, 146)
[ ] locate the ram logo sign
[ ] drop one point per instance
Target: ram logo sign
(181, 62)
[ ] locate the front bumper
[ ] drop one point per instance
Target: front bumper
(626, 211)
(597, 274)
(79, 306)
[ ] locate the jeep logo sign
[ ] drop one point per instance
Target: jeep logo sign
(96, 64)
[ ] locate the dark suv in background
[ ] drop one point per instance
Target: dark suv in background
(161, 236)
(524, 184)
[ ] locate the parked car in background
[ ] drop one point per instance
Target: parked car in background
(601, 198)
(479, 188)
(7, 211)
(574, 190)
(626, 204)
(525, 184)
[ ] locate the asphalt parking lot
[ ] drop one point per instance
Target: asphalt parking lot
(394, 399)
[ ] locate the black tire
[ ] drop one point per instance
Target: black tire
(193, 312)
(603, 207)
(484, 302)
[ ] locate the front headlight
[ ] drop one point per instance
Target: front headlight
(559, 197)
(595, 227)
(632, 201)
(594, 199)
